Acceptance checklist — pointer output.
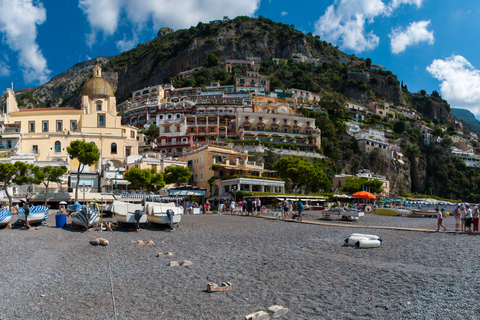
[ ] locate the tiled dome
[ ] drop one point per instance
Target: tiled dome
(97, 85)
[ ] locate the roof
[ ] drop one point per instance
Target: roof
(48, 109)
(97, 86)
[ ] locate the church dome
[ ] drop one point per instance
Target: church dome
(97, 86)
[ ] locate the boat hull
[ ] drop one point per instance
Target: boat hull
(157, 213)
(5, 218)
(125, 212)
(86, 217)
(386, 212)
(36, 214)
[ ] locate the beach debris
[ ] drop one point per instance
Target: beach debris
(141, 242)
(277, 311)
(363, 240)
(213, 287)
(259, 315)
(272, 312)
(95, 241)
(161, 254)
(104, 242)
(186, 263)
(173, 264)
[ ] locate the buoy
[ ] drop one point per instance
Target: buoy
(368, 209)
(368, 236)
(103, 242)
(368, 243)
(353, 239)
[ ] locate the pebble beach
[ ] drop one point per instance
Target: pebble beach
(52, 273)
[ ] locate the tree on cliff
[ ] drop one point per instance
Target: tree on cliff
(86, 153)
(212, 60)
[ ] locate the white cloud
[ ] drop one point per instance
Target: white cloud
(18, 23)
(4, 69)
(344, 22)
(104, 15)
(415, 33)
(460, 82)
(124, 45)
(284, 13)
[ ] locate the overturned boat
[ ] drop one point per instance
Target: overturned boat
(87, 216)
(392, 212)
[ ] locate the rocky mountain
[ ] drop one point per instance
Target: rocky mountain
(171, 52)
(468, 119)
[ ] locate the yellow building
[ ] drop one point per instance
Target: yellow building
(47, 132)
(230, 170)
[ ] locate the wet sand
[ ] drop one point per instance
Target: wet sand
(55, 273)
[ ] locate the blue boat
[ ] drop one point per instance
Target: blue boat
(36, 214)
(86, 216)
(5, 217)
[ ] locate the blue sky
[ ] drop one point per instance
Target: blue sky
(429, 44)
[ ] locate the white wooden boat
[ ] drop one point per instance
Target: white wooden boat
(125, 211)
(156, 212)
(5, 217)
(36, 214)
(86, 216)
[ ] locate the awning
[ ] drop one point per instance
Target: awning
(186, 192)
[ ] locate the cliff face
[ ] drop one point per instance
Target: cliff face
(383, 86)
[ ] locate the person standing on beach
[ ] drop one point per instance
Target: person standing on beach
(457, 216)
(475, 218)
(463, 213)
(468, 219)
(249, 206)
(440, 220)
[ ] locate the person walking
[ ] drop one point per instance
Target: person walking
(440, 220)
(300, 210)
(249, 206)
(207, 206)
(475, 218)
(468, 219)
(286, 207)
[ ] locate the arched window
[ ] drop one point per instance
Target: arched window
(113, 148)
(58, 146)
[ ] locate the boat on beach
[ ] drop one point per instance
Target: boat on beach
(36, 214)
(392, 212)
(156, 212)
(86, 216)
(125, 211)
(345, 214)
(5, 217)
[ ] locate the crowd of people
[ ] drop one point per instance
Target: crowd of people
(465, 216)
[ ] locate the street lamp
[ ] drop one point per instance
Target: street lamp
(296, 191)
(83, 189)
(234, 191)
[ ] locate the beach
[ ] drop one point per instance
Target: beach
(55, 273)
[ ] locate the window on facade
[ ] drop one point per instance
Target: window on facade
(59, 125)
(35, 148)
(101, 120)
(212, 129)
(273, 129)
(31, 126)
(73, 125)
(260, 128)
(166, 130)
(99, 107)
(113, 148)
(242, 80)
(128, 151)
(58, 146)
(44, 126)
(132, 134)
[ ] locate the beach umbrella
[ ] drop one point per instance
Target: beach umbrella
(363, 195)
(62, 202)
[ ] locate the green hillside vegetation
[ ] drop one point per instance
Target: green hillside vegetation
(468, 120)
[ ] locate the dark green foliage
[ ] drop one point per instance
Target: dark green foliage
(400, 126)
(358, 184)
(212, 60)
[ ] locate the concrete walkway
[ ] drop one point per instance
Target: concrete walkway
(351, 225)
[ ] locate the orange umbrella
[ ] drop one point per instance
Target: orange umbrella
(363, 195)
